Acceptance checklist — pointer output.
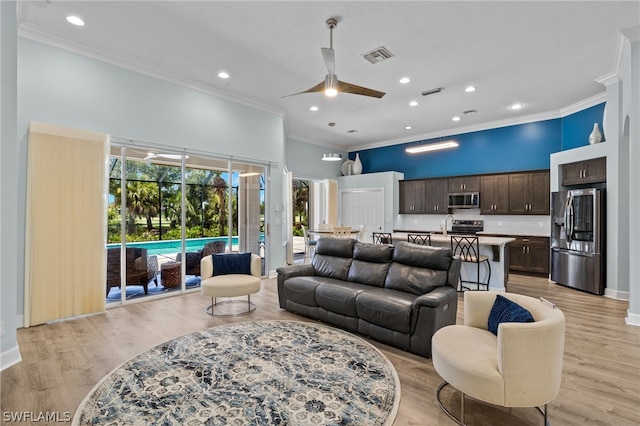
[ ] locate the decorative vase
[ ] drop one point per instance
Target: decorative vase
(596, 135)
(357, 165)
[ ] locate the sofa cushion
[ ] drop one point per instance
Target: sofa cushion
(339, 296)
(302, 289)
(429, 257)
(339, 247)
(370, 264)
(418, 269)
(386, 308)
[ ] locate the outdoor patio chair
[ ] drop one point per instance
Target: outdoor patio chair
(138, 271)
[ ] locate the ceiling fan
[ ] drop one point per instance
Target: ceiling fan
(331, 86)
(151, 155)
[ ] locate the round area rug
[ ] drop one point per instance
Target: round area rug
(250, 373)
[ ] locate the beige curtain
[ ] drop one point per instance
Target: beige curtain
(65, 223)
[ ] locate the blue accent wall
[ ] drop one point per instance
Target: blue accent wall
(577, 127)
(504, 149)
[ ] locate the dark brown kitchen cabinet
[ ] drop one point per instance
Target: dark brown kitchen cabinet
(436, 199)
(494, 194)
(529, 255)
(529, 193)
(588, 171)
(412, 196)
(464, 184)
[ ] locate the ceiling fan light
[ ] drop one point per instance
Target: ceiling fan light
(432, 147)
(332, 157)
(331, 85)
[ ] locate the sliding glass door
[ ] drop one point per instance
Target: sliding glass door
(178, 209)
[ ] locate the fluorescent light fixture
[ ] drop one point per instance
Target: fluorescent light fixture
(331, 85)
(75, 20)
(223, 74)
(247, 174)
(432, 147)
(405, 80)
(332, 157)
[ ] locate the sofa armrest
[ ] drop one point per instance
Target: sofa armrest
(436, 297)
(286, 272)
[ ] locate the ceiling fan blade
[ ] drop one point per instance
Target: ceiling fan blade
(344, 87)
(329, 56)
(315, 89)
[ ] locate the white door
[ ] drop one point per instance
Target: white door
(363, 207)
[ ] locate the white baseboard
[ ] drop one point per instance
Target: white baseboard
(615, 294)
(10, 357)
(632, 319)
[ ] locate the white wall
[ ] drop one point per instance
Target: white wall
(631, 91)
(304, 160)
(9, 172)
(60, 87)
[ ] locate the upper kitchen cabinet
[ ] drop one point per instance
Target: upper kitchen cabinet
(436, 200)
(464, 184)
(588, 171)
(529, 193)
(412, 196)
(494, 194)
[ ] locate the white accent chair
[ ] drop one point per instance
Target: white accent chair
(230, 285)
(520, 367)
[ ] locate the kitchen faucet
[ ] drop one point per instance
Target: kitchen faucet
(446, 218)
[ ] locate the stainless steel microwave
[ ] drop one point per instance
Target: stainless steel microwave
(464, 200)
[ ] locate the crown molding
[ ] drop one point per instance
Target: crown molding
(34, 33)
(584, 104)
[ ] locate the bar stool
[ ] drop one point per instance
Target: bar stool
(421, 239)
(468, 249)
(381, 238)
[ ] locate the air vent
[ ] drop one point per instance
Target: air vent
(378, 55)
(470, 111)
(432, 91)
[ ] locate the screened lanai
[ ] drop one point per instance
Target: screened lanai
(178, 208)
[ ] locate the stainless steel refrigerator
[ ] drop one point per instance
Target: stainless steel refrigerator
(578, 239)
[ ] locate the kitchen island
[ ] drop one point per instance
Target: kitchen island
(492, 247)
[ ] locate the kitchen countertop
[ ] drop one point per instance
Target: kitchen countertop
(438, 237)
(517, 234)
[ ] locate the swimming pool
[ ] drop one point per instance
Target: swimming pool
(175, 246)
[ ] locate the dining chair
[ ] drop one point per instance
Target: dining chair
(325, 227)
(468, 249)
(382, 238)
(309, 244)
(341, 232)
(421, 239)
(360, 236)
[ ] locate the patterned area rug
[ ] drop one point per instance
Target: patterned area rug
(251, 373)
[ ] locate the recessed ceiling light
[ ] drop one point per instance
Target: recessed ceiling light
(456, 118)
(408, 127)
(75, 20)
(470, 89)
(413, 103)
(223, 74)
(314, 108)
(405, 80)
(516, 106)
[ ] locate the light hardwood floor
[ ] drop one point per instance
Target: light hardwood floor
(600, 385)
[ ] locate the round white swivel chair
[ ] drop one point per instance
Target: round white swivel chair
(520, 367)
(230, 285)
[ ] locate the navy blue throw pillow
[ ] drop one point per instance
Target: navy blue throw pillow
(504, 310)
(232, 263)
